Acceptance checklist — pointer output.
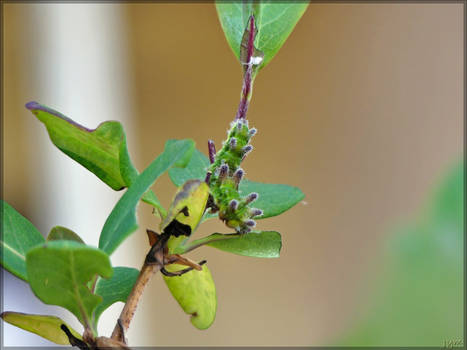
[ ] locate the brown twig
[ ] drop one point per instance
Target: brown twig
(147, 271)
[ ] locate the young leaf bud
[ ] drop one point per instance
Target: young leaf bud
(212, 151)
(223, 171)
(245, 229)
(255, 212)
(239, 126)
(238, 175)
(251, 197)
(233, 143)
(245, 150)
(233, 205)
(252, 132)
(208, 177)
(250, 223)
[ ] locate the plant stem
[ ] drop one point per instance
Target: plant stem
(248, 74)
(147, 271)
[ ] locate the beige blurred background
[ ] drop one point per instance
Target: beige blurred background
(362, 109)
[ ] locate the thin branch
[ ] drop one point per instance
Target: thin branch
(150, 267)
(147, 271)
(247, 49)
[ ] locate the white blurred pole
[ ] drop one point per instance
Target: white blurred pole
(80, 71)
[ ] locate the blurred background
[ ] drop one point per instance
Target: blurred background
(362, 109)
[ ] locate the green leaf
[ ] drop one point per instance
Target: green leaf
(97, 150)
(129, 174)
(195, 169)
(185, 157)
(47, 327)
(195, 292)
(59, 233)
(103, 151)
(274, 199)
(58, 272)
(122, 220)
(417, 298)
(263, 244)
(115, 289)
(17, 236)
(274, 20)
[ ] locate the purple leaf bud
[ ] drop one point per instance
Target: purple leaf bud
(238, 175)
(233, 143)
(251, 223)
(247, 149)
(208, 177)
(255, 212)
(223, 171)
(233, 205)
(245, 229)
(251, 197)
(252, 132)
(239, 126)
(212, 151)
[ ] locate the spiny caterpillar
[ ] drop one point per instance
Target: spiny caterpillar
(225, 174)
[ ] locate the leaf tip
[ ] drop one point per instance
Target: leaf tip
(32, 105)
(198, 323)
(301, 194)
(107, 272)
